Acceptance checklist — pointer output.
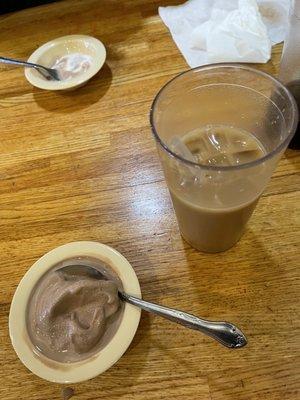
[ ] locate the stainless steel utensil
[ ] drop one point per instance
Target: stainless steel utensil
(48, 73)
(224, 332)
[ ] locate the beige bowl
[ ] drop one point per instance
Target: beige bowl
(48, 53)
(79, 371)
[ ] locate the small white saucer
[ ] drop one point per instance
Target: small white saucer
(79, 371)
(50, 51)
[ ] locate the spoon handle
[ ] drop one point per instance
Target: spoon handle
(46, 72)
(12, 61)
(224, 332)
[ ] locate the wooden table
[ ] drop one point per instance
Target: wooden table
(83, 166)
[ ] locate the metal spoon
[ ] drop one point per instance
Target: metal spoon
(48, 73)
(224, 332)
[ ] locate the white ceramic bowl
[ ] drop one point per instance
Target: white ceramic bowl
(73, 372)
(50, 51)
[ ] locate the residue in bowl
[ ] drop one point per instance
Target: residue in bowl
(72, 65)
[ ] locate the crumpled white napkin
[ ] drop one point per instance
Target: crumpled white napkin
(275, 15)
(207, 31)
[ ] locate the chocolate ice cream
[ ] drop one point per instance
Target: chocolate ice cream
(71, 317)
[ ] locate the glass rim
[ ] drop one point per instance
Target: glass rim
(278, 83)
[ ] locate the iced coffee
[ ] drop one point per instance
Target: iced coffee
(220, 130)
(205, 220)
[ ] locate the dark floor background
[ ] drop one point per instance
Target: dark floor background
(14, 5)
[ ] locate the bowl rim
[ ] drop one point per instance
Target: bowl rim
(58, 372)
(72, 83)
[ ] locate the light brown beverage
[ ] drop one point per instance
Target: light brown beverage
(209, 222)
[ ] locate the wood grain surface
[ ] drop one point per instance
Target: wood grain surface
(82, 165)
